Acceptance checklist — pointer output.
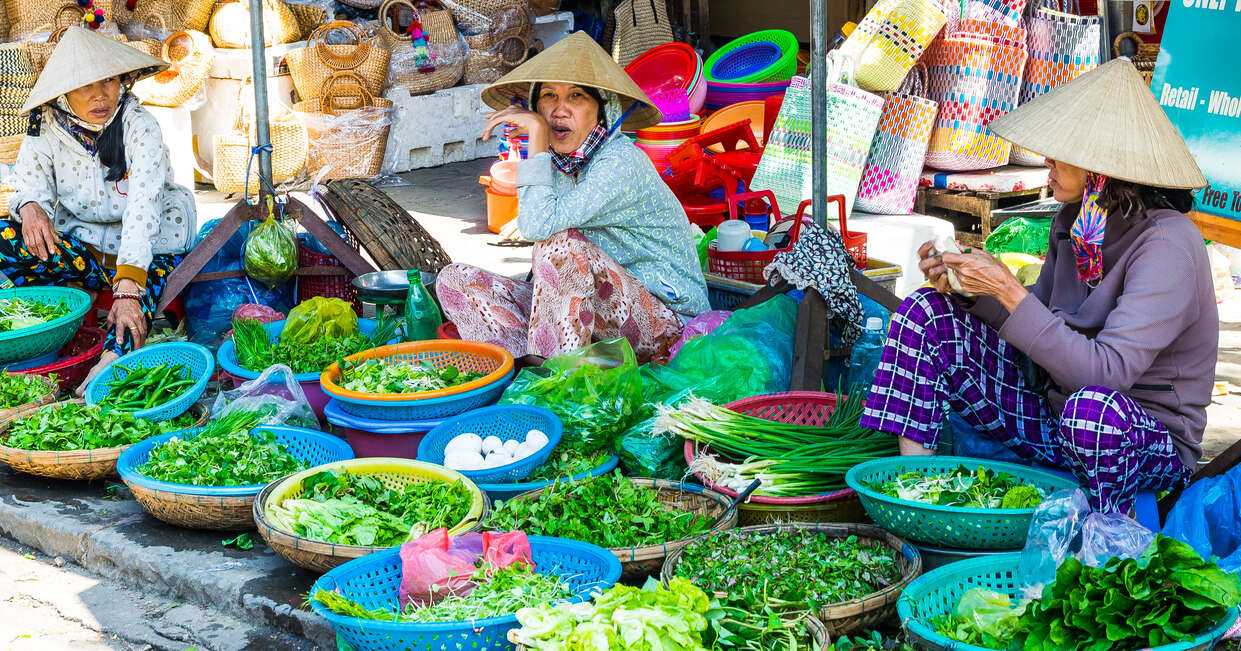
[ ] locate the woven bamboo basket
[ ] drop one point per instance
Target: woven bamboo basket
(13, 413)
(308, 18)
(347, 129)
(6, 194)
(78, 465)
(232, 150)
(443, 43)
(195, 511)
(28, 17)
(190, 54)
(312, 66)
(640, 562)
(319, 556)
(818, 632)
(164, 16)
(873, 610)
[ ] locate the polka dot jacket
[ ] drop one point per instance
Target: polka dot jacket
(135, 218)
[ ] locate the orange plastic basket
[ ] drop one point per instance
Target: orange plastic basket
(468, 356)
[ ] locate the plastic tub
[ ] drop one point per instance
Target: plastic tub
(378, 438)
(501, 209)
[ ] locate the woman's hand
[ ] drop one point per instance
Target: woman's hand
(106, 358)
(37, 232)
(528, 122)
(980, 273)
(127, 315)
(933, 268)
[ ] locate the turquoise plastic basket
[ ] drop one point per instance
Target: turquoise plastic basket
(199, 365)
(948, 526)
(507, 422)
(48, 337)
(754, 64)
(373, 580)
(937, 592)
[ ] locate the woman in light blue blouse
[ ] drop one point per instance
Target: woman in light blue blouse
(615, 254)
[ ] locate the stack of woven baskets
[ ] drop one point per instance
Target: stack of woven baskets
(17, 76)
(499, 33)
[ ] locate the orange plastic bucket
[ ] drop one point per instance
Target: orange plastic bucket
(501, 209)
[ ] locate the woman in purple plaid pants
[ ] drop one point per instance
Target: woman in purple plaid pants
(1105, 366)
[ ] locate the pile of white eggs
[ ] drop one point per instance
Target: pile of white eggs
(469, 451)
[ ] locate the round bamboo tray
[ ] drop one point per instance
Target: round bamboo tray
(321, 556)
(223, 513)
(638, 562)
(873, 610)
(77, 465)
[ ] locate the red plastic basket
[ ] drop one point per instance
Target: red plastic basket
(672, 65)
(808, 408)
(75, 359)
(855, 243)
(337, 286)
(747, 266)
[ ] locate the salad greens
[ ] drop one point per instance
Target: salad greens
(256, 352)
(982, 488)
(379, 376)
(567, 461)
(873, 642)
(764, 626)
(622, 617)
(609, 511)
(982, 617)
(73, 426)
(348, 509)
(495, 592)
(18, 389)
(18, 313)
(801, 570)
(224, 453)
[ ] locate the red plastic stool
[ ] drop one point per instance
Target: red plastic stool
(103, 303)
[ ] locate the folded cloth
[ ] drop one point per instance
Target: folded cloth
(819, 260)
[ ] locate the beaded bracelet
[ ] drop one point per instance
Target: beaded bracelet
(116, 296)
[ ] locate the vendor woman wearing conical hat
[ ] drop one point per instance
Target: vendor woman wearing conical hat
(614, 253)
(1105, 366)
(95, 203)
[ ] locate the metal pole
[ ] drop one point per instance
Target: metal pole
(818, 110)
(259, 54)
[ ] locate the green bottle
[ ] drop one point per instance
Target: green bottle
(422, 315)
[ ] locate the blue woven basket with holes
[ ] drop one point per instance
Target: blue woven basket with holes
(199, 365)
(309, 446)
(509, 423)
(746, 61)
(373, 581)
(47, 337)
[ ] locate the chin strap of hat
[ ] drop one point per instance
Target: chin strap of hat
(625, 116)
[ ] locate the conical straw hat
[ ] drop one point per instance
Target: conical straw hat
(82, 58)
(575, 60)
(1106, 121)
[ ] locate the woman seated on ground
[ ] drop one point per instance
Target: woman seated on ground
(1105, 366)
(614, 253)
(95, 205)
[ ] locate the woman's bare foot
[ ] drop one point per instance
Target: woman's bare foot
(107, 358)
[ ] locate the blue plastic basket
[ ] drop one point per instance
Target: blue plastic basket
(199, 365)
(509, 491)
(746, 60)
(372, 581)
(508, 422)
(937, 592)
(307, 445)
(427, 408)
(338, 417)
(227, 355)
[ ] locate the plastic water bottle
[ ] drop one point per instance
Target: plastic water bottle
(867, 351)
(422, 315)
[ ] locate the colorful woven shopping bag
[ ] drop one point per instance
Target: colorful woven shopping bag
(1062, 46)
(1005, 12)
(975, 76)
(852, 115)
(890, 180)
(890, 39)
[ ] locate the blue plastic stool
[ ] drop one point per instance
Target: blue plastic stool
(969, 442)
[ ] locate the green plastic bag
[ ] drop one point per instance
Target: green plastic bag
(271, 253)
(646, 454)
(596, 391)
(319, 317)
(1021, 235)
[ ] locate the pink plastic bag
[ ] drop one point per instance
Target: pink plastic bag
(505, 549)
(435, 564)
(703, 324)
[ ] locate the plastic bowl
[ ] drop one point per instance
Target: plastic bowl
(370, 437)
(508, 423)
(754, 111)
(36, 340)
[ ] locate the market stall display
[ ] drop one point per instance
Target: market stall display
(324, 516)
(766, 56)
(156, 382)
(431, 59)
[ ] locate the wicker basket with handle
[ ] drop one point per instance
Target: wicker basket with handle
(312, 65)
(347, 129)
(28, 17)
(190, 54)
(444, 44)
(232, 151)
(230, 25)
(162, 17)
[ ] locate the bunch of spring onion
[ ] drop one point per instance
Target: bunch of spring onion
(789, 460)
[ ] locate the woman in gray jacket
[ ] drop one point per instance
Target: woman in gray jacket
(1105, 366)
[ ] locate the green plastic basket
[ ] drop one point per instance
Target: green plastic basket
(937, 592)
(782, 70)
(27, 343)
(948, 526)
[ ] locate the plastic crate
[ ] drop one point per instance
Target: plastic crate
(334, 286)
(726, 293)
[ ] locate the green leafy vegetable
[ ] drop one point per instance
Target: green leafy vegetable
(256, 351)
(982, 618)
(144, 388)
(18, 313)
(609, 511)
(622, 617)
(18, 389)
(74, 426)
(875, 641)
(379, 376)
(242, 542)
(769, 625)
(224, 453)
(981, 488)
(348, 509)
(567, 461)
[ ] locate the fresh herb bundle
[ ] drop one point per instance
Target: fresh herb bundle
(804, 570)
(348, 509)
(18, 313)
(737, 624)
(18, 389)
(982, 488)
(224, 453)
(495, 592)
(378, 376)
(146, 387)
(875, 641)
(609, 511)
(79, 427)
(566, 462)
(257, 352)
(789, 459)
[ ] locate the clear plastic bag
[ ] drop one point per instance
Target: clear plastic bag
(276, 394)
(347, 143)
(271, 253)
